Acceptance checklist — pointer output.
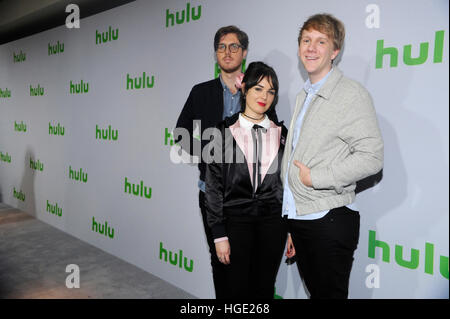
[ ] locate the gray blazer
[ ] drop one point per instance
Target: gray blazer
(340, 142)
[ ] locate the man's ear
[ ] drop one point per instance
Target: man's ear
(335, 54)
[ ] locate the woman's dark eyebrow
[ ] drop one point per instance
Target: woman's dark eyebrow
(262, 86)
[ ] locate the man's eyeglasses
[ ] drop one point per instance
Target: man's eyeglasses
(234, 47)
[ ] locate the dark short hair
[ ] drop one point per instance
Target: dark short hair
(255, 72)
(241, 35)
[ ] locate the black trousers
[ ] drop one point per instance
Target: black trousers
(324, 249)
(257, 244)
(218, 269)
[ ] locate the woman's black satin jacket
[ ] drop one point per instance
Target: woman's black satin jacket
(229, 190)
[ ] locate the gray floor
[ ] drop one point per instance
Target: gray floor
(34, 256)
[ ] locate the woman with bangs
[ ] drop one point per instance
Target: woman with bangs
(244, 192)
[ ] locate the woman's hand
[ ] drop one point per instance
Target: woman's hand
(290, 249)
(223, 251)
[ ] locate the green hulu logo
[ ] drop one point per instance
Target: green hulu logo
(55, 129)
(107, 36)
(168, 138)
(54, 209)
(138, 190)
(140, 82)
(217, 68)
(392, 52)
(185, 14)
(36, 165)
(5, 93)
(20, 57)
(55, 49)
(79, 88)
(415, 254)
(19, 195)
(36, 91)
(106, 134)
(102, 229)
(20, 127)
(175, 259)
(5, 157)
(78, 175)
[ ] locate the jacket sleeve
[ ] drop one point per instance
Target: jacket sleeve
(184, 130)
(359, 130)
(214, 190)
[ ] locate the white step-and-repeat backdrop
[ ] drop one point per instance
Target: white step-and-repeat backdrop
(86, 117)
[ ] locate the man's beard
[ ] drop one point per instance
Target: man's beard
(230, 70)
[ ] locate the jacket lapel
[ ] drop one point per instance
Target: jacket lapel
(300, 100)
(270, 147)
(244, 142)
(316, 103)
(217, 100)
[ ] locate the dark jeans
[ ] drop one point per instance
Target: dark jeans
(218, 269)
(324, 249)
(257, 244)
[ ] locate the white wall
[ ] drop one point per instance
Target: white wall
(408, 208)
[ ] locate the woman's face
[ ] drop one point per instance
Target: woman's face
(259, 98)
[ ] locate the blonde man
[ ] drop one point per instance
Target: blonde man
(333, 141)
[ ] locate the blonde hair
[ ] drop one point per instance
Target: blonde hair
(327, 24)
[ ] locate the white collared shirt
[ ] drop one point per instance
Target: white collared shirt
(245, 123)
